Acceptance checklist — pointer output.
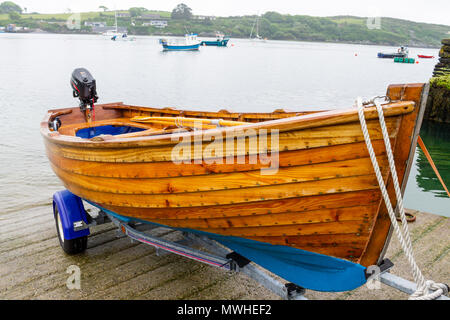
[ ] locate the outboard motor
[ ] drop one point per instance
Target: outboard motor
(84, 88)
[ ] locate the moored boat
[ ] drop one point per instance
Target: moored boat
(306, 205)
(189, 43)
(422, 56)
(402, 52)
(221, 41)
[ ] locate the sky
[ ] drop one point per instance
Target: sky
(430, 11)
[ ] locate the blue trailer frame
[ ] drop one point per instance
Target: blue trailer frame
(76, 221)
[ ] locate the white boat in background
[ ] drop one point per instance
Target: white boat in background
(115, 35)
(257, 37)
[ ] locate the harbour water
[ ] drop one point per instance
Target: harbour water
(246, 76)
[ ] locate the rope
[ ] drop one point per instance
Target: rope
(426, 290)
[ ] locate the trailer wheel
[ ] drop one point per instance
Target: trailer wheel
(73, 246)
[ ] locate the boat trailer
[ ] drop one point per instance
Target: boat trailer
(73, 225)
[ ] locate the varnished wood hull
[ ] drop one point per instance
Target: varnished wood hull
(324, 198)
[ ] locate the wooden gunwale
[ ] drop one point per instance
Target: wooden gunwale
(211, 114)
(314, 120)
(295, 140)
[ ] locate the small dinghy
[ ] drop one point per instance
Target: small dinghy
(303, 201)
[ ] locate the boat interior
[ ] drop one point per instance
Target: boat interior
(124, 121)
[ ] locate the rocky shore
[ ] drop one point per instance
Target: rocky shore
(438, 106)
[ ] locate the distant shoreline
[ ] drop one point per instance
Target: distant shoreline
(271, 25)
(241, 38)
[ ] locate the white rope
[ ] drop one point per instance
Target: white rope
(426, 290)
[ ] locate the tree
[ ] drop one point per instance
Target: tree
(8, 7)
(14, 16)
(182, 11)
(104, 8)
(137, 12)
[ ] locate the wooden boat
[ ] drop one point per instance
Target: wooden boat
(318, 221)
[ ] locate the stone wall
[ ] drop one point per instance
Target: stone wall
(438, 106)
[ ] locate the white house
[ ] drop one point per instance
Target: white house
(204, 17)
(123, 15)
(156, 23)
(94, 24)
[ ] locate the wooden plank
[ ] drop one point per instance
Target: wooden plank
(299, 189)
(214, 182)
(276, 219)
(302, 204)
(170, 169)
(328, 228)
(313, 241)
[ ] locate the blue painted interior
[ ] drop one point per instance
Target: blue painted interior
(88, 133)
(307, 269)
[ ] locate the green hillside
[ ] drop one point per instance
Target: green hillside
(272, 26)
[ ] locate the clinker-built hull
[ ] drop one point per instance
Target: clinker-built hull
(309, 195)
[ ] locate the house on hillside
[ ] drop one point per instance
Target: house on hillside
(150, 16)
(94, 24)
(109, 28)
(204, 17)
(156, 23)
(123, 15)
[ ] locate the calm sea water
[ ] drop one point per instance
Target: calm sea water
(246, 76)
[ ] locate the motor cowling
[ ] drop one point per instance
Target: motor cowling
(84, 87)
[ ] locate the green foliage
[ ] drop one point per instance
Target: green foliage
(9, 7)
(137, 12)
(272, 25)
(181, 11)
(443, 81)
(14, 16)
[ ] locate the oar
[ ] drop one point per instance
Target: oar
(197, 125)
(188, 121)
(428, 156)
